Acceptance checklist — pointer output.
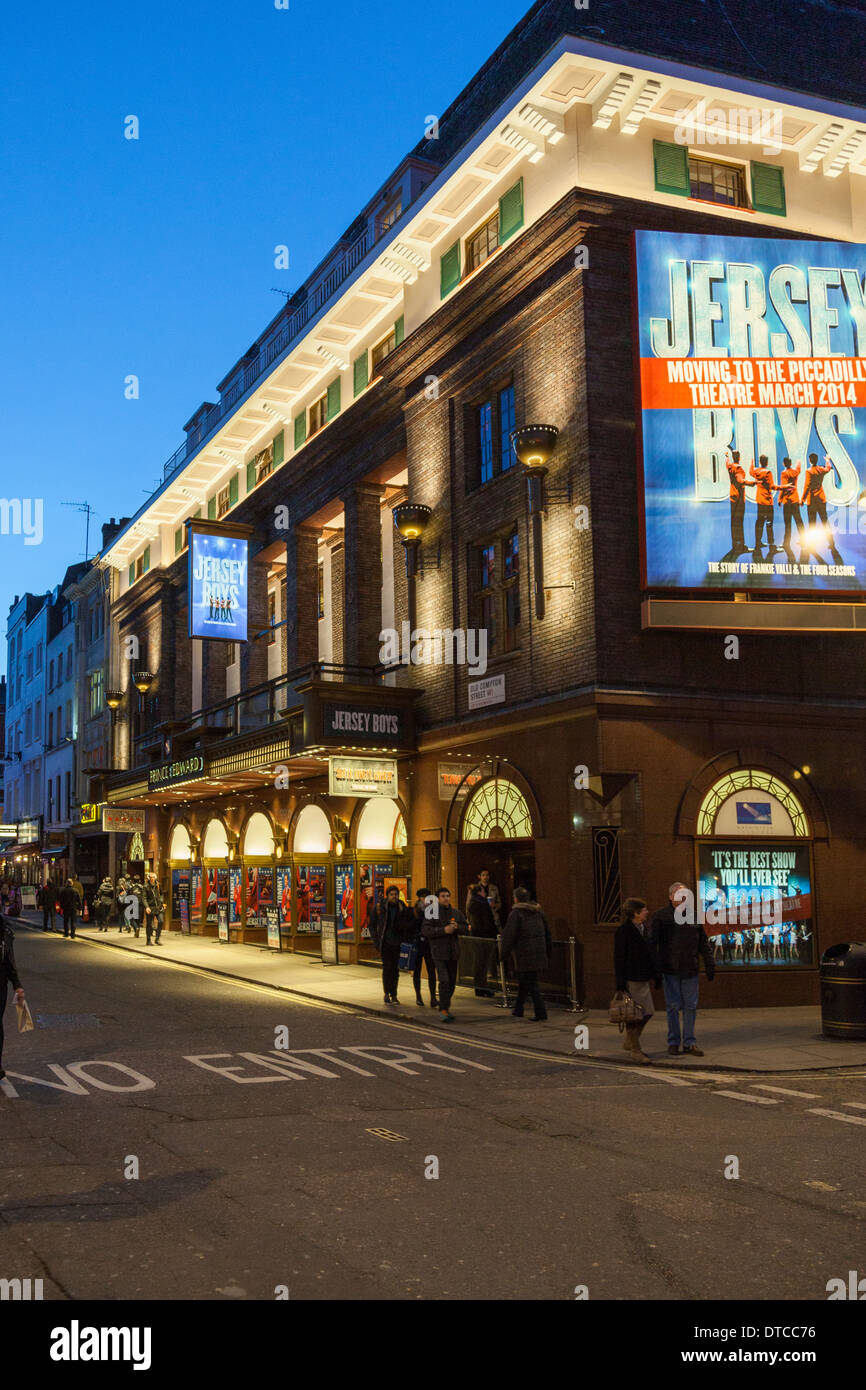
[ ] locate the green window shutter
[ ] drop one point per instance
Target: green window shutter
(211, 508)
(450, 270)
(334, 396)
(178, 540)
(300, 429)
(233, 489)
(251, 475)
(362, 372)
(768, 189)
(399, 330)
(511, 212)
(671, 163)
(279, 448)
(145, 561)
(132, 574)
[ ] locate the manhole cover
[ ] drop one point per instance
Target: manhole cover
(68, 1021)
(389, 1135)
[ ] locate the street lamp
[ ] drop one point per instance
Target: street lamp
(114, 699)
(533, 445)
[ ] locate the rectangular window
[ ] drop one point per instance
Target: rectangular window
(386, 220)
(179, 540)
(39, 656)
(37, 720)
(96, 679)
(321, 591)
(51, 731)
(361, 370)
(30, 666)
(491, 452)
(482, 244)
(483, 573)
(223, 502)
(69, 717)
(384, 349)
(511, 587)
(51, 674)
(272, 617)
(68, 799)
(318, 414)
(69, 653)
(59, 722)
(712, 181)
(50, 808)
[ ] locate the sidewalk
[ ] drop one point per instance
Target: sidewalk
(743, 1040)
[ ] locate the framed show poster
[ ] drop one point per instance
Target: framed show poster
(284, 895)
(310, 897)
(180, 886)
(266, 893)
(195, 894)
(211, 894)
(344, 900)
(235, 895)
(755, 902)
(252, 887)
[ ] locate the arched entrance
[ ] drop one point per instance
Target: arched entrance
(497, 832)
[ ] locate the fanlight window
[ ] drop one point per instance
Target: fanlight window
(497, 810)
(750, 779)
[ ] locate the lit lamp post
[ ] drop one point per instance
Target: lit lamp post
(533, 445)
(142, 680)
(411, 520)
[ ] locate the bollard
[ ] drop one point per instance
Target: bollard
(574, 1002)
(503, 983)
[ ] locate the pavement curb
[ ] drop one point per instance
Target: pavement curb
(421, 1020)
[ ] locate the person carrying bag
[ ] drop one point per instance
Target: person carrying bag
(635, 969)
(8, 975)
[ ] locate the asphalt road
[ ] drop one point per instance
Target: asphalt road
(158, 1141)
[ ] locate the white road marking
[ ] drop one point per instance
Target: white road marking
(837, 1115)
(855, 1104)
(783, 1091)
(740, 1095)
(9, 1090)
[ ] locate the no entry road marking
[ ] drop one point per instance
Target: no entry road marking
(837, 1115)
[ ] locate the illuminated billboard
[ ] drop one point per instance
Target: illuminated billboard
(753, 412)
(218, 586)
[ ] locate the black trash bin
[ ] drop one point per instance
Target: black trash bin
(843, 990)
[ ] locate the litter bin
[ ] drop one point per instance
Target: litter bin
(843, 990)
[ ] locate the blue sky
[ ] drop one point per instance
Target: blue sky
(155, 257)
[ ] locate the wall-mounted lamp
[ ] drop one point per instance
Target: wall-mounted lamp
(411, 520)
(114, 699)
(340, 837)
(279, 841)
(534, 445)
(143, 680)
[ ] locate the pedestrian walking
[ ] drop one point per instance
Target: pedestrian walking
(680, 946)
(422, 952)
(635, 965)
(442, 926)
(527, 937)
(69, 907)
(104, 903)
(482, 933)
(8, 976)
(46, 898)
(394, 924)
(154, 908)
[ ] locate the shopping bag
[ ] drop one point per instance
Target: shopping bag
(25, 1017)
(408, 955)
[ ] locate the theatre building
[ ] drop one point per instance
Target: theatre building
(460, 570)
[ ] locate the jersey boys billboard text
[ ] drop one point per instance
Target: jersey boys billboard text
(753, 407)
(218, 575)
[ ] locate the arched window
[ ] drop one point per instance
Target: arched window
(215, 844)
(178, 845)
(497, 810)
(312, 832)
(258, 837)
(378, 826)
(750, 802)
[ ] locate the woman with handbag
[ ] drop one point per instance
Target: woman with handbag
(635, 966)
(8, 975)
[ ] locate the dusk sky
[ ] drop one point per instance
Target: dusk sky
(155, 256)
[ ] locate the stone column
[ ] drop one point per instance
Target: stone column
(362, 574)
(301, 598)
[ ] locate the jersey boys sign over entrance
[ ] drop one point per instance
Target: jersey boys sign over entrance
(753, 406)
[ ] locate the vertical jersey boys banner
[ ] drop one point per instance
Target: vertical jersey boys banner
(753, 407)
(218, 586)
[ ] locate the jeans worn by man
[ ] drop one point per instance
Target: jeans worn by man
(680, 946)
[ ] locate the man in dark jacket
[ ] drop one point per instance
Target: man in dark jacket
(394, 925)
(527, 935)
(68, 899)
(8, 976)
(482, 930)
(154, 908)
(442, 925)
(423, 955)
(680, 945)
(46, 897)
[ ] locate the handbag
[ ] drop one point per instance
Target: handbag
(25, 1017)
(408, 955)
(623, 1009)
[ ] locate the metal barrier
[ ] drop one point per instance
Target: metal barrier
(560, 983)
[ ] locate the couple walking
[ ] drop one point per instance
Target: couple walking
(667, 951)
